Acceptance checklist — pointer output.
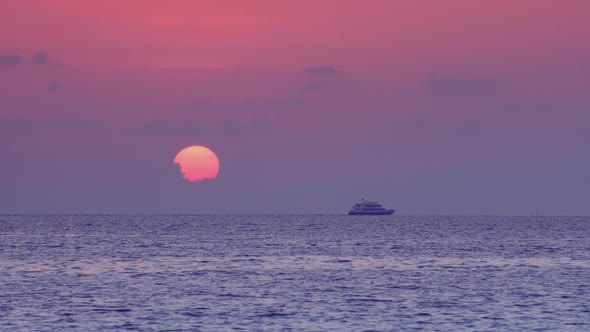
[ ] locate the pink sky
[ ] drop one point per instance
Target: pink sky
(428, 107)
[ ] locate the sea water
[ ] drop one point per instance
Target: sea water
(344, 273)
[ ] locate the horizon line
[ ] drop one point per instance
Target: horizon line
(281, 214)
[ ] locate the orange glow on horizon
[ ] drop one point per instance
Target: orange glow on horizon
(197, 163)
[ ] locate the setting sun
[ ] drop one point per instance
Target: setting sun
(197, 163)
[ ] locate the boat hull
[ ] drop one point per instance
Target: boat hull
(373, 213)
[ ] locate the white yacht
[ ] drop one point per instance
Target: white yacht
(365, 208)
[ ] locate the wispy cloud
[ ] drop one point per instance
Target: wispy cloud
(10, 60)
(54, 87)
(38, 59)
(41, 58)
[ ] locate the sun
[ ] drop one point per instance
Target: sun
(197, 163)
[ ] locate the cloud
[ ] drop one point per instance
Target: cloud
(38, 59)
(41, 58)
(324, 79)
(321, 71)
(451, 86)
(10, 60)
(54, 87)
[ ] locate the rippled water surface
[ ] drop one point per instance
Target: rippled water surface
(187, 273)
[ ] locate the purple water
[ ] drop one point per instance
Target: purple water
(187, 273)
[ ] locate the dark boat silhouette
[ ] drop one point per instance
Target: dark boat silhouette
(366, 208)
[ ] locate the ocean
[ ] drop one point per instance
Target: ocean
(294, 273)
